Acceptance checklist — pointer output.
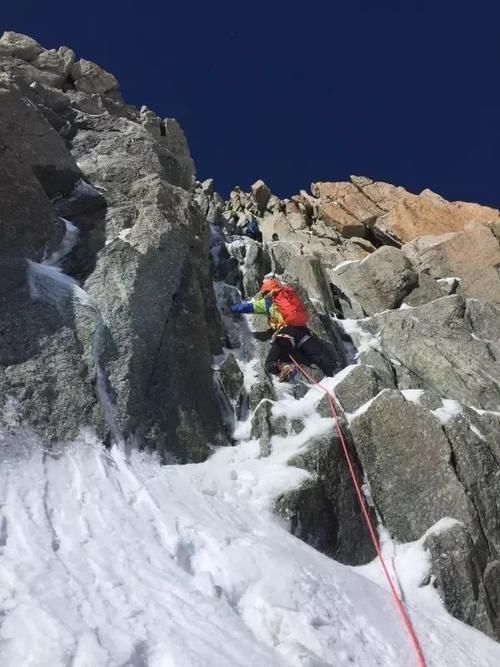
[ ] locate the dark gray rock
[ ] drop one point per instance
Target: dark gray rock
(435, 344)
(27, 134)
(485, 322)
(50, 97)
(457, 568)
(381, 365)
(427, 289)
(324, 511)
(358, 387)
(475, 445)
(154, 292)
(21, 71)
(231, 377)
(47, 360)
(406, 458)
(28, 225)
(491, 581)
(262, 426)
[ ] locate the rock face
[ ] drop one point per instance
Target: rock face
(138, 352)
(422, 492)
(46, 351)
(472, 254)
(324, 512)
(436, 348)
(379, 282)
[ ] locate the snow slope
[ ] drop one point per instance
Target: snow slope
(108, 559)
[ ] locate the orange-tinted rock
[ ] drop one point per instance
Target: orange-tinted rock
(345, 207)
(393, 213)
(408, 216)
(472, 254)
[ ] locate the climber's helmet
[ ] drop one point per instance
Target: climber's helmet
(270, 285)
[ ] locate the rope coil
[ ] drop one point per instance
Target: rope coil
(366, 515)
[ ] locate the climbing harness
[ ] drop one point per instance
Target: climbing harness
(369, 524)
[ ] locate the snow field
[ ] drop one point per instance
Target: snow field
(108, 559)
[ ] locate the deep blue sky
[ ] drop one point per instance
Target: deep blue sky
(406, 91)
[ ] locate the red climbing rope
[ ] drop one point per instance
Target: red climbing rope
(371, 530)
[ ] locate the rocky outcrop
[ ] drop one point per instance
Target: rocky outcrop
(138, 351)
(324, 512)
(411, 479)
(380, 282)
(472, 254)
(343, 221)
(19, 46)
(90, 78)
(435, 347)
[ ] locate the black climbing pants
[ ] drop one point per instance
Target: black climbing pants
(303, 346)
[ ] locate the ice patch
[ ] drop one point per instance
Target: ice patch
(477, 432)
(345, 263)
(50, 284)
(450, 408)
(351, 416)
(485, 412)
(450, 281)
(413, 395)
(365, 340)
(68, 242)
(84, 189)
(409, 565)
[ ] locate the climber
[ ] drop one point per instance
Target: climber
(288, 318)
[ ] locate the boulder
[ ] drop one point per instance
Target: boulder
(324, 511)
(358, 387)
(380, 282)
(436, 345)
(406, 458)
(19, 46)
(472, 254)
(58, 61)
(90, 78)
(427, 289)
(261, 194)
